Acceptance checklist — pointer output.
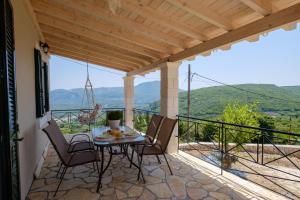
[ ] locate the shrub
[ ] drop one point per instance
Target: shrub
(114, 115)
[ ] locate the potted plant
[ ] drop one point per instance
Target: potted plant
(114, 118)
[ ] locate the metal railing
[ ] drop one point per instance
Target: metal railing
(270, 158)
(141, 119)
(69, 123)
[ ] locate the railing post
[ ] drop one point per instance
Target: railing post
(222, 149)
(178, 128)
(262, 149)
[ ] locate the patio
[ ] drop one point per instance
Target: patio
(135, 37)
(190, 181)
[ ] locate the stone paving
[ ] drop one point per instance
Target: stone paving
(120, 182)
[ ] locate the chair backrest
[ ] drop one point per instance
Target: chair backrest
(165, 132)
(58, 141)
(154, 126)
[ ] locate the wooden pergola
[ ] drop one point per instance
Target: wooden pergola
(141, 34)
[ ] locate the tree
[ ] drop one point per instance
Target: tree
(266, 122)
(209, 131)
(245, 115)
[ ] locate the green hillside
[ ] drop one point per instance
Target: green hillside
(211, 101)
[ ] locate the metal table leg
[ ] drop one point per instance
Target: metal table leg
(102, 165)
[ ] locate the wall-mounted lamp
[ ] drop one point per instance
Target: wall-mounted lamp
(45, 47)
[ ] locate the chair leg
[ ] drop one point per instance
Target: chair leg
(168, 164)
(140, 165)
(131, 158)
(158, 160)
(94, 166)
(61, 178)
(59, 170)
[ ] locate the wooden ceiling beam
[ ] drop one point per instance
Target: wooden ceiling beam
(94, 44)
(163, 20)
(192, 6)
(54, 41)
(60, 13)
(97, 11)
(69, 27)
(82, 57)
(270, 22)
(263, 7)
(94, 48)
(88, 54)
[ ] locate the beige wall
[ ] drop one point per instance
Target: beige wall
(35, 141)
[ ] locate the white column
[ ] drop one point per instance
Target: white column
(169, 97)
(129, 100)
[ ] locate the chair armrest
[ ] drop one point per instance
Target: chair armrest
(80, 134)
(74, 143)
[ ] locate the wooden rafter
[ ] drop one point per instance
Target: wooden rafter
(95, 48)
(94, 44)
(192, 6)
(57, 42)
(70, 27)
(83, 58)
(96, 10)
(263, 7)
(164, 20)
(267, 23)
(68, 15)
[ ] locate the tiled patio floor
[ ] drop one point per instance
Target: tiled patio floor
(120, 182)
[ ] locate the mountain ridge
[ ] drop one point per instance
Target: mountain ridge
(206, 100)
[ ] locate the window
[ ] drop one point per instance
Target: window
(41, 85)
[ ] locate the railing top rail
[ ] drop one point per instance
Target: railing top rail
(143, 110)
(239, 125)
(79, 109)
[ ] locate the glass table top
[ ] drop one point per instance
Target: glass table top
(100, 131)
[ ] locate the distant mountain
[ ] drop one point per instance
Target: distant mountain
(204, 101)
(145, 93)
(213, 100)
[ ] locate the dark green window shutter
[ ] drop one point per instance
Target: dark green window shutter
(46, 87)
(39, 84)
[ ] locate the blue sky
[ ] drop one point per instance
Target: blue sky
(274, 59)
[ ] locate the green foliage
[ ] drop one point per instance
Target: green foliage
(266, 122)
(246, 115)
(141, 121)
(209, 131)
(115, 115)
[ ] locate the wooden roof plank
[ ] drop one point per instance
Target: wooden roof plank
(162, 19)
(192, 6)
(95, 48)
(82, 57)
(53, 41)
(69, 15)
(82, 31)
(93, 43)
(267, 23)
(94, 9)
(263, 7)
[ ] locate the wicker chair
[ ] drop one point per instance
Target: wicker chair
(67, 158)
(159, 146)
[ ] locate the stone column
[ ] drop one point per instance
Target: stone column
(169, 97)
(129, 100)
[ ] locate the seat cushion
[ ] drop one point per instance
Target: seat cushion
(153, 150)
(81, 146)
(83, 157)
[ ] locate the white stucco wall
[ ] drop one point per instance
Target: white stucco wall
(35, 141)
